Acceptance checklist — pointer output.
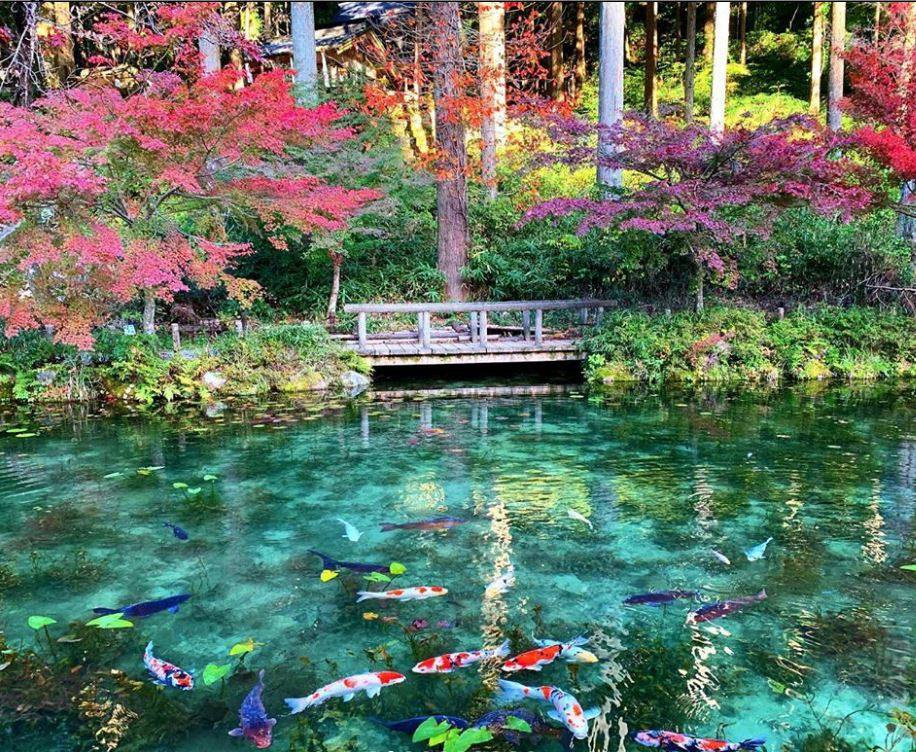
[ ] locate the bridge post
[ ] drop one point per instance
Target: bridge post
(583, 316)
(423, 320)
(361, 329)
(599, 315)
(538, 326)
(526, 325)
(474, 332)
(482, 336)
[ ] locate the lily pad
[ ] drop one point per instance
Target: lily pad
(909, 567)
(377, 577)
(209, 477)
(110, 621)
(193, 491)
(518, 724)
(467, 739)
(328, 574)
(116, 474)
(40, 622)
(397, 568)
(430, 728)
(179, 486)
(214, 672)
(240, 648)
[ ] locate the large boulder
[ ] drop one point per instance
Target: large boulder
(354, 383)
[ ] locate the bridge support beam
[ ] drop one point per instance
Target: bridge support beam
(526, 325)
(361, 328)
(482, 335)
(474, 331)
(538, 326)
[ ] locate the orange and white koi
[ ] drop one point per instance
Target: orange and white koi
(534, 660)
(165, 673)
(346, 688)
(445, 664)
(566, 709)
(402, 594)
(572, 651)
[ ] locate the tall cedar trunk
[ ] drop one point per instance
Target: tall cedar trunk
(690, 67)
(610, 82)
(208, 45)
(877, 30)
(492, 88)
(817, 58)
(337, 262)
(719, 69)
(149, 312)
(742, 32)
(709, 31)
(451, 181)
(699, 302)
(305, 55)
(556, 51)
(268, 27)
(62, 56)
(630, 56)
(581, 71)
(678, 29)
(837, 48)
(650, 88)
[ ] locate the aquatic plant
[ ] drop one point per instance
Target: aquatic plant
(215, 672)
(110, 621)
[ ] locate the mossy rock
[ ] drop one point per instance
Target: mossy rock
(309, 381)
(613, 372)
(812, 370)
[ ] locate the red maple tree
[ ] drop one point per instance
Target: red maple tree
(110, 197)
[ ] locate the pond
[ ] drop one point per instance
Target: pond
(586, 501)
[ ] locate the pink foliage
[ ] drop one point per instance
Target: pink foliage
(883, 78)
(113, 196)
(706, 192)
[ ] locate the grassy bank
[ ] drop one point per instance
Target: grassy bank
(145, 369)
(735, 344)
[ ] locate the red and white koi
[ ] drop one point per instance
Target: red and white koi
(402, 594)
(165, 673)
(445, 664)
(566, 709)
(572, 651)
(346, 688)
(534, 660)
(671, 741)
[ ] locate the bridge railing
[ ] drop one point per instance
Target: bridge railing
(478, 313)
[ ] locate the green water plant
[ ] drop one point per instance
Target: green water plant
(41, 624)
(110, 621)
(214, 672)
(452, 739)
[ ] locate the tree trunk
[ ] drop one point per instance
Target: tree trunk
(690, 67)
(581, 71)
(610, 83)
(305, 55)
(678, 29)
(709, 31)
(556, 51)
(719, 69)
(650, 88)
(701, 278)
(451, 181)
(492, 88)
(837, 48)
(877, 31)
(149, 312)
(337, 262)
(742, 32)
(62, 56)
(25, 69)
(817, 59)
(209, 52)
(268, 29)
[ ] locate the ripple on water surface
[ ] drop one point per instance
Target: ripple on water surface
(661, 482)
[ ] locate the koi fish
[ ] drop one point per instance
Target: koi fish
(534, 660)
(254, 724)
(165, 673)
(445, 664)
(401, 594)
(670, 740)
(755, 553)
(502, 583)
(346, 688)
(721, 557)
(176, 531)
(436, 523)
(723, 608)
(334, 565)
(147, 608)
(566, 708)
(350, 531)
(409, 725)
(578, 516)
(659, 597)
(572, 652)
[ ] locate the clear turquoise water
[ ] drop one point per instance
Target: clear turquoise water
(664, 478)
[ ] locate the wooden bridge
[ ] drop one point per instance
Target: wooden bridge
(470, 337)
